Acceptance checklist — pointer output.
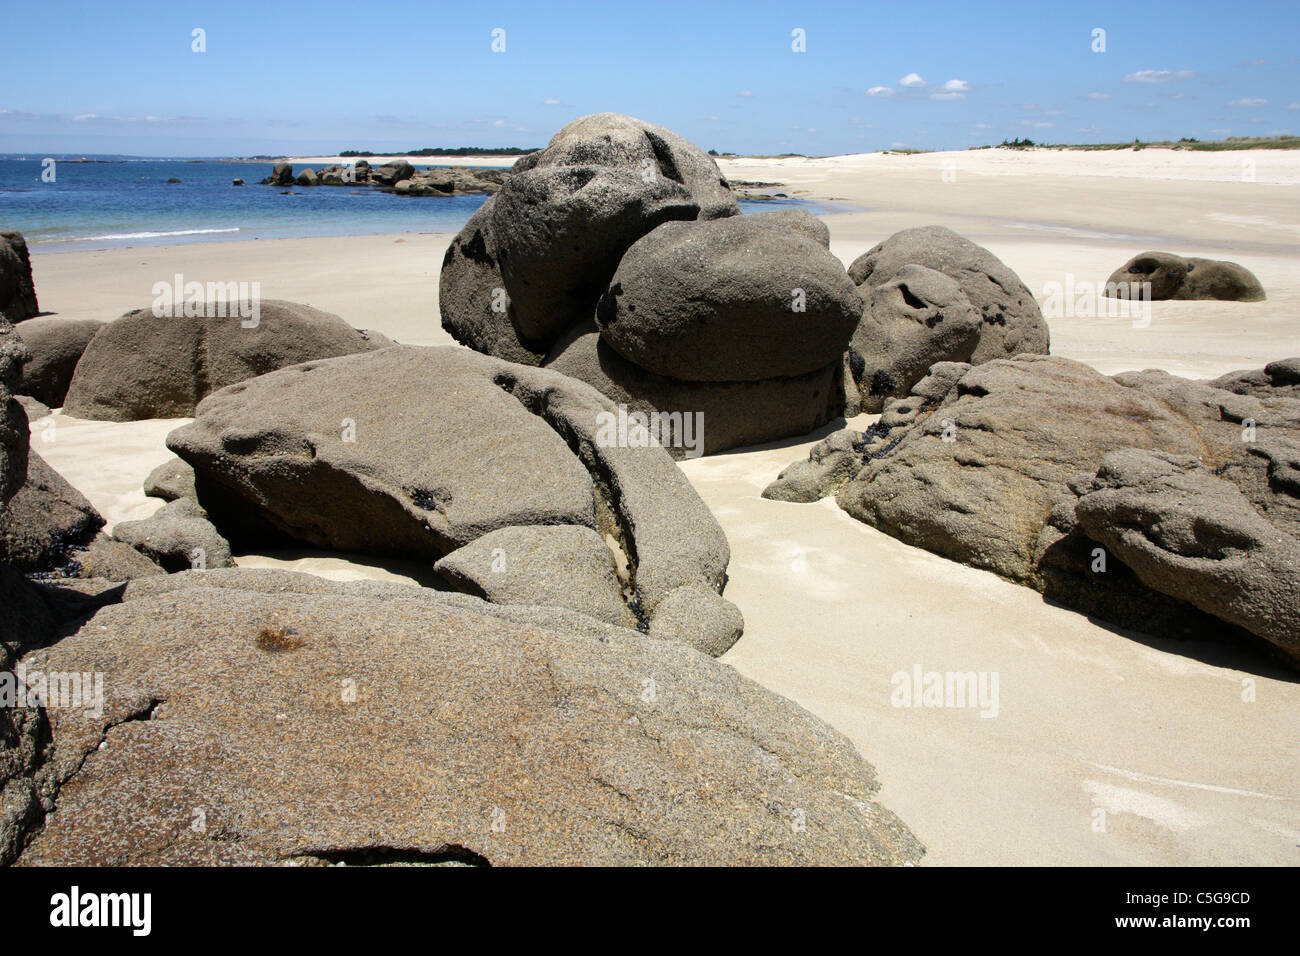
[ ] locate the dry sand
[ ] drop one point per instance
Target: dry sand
(1107, 747)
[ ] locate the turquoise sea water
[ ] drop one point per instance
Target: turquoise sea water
(97, 205)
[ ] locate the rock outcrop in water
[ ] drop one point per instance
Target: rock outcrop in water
(398, 176)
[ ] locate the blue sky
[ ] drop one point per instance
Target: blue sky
(312, 77)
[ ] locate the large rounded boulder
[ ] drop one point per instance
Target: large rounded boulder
(729, 300)
(1011, 322)
(265, 718)
(152, 365)
(542, 250)
(56, 346)
(1156, 276)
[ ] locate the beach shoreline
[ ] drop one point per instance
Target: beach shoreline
(834, 608)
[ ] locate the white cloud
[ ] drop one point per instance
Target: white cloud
(1221, 132)
(1248, 101)
(1158, 76)
(912, 79)
(82, 117)
(1099, 96)
(746, 94)
(550, 101)
(1040, 124)
(880, 91)
(709, 119)
(956, 86)
(499, 124)
(947, 96)
(1293, 106)
(983, 125)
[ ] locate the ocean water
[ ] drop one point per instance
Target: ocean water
(105, 204)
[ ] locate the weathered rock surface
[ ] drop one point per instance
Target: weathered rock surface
(1172, 276)
(992, 474)
(55, 345)
(171, 480)
(1196, 537)
(17, 290)
(798, 222)
(320, 453)
(14, 427)
(733, 414)
(177, 536)
(701, 311)
(918, 318)
(729, 300)
(281, 175)
(148, 366)
(545, 565)
(44, 519)
(426, 731)
(614, 140)
(560, 231)
(472, 295)
(553, 235)
(108, 559)
(393, 172)
(1276, 378)
(1010, 320)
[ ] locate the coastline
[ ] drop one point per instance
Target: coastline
(1077, 731)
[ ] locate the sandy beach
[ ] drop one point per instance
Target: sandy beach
(1157, 735)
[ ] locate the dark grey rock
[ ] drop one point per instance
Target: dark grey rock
(178, 536)
(148, 366)
(171, 480)
(56, 346)
(44, 519)
(729, 300)
(17, 290)
(1011, 322)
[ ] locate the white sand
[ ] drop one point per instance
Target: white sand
(1150, 738)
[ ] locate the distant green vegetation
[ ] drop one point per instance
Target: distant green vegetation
(445, 151)
(1232, 142)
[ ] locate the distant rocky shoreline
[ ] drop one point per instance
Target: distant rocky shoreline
(401, 177)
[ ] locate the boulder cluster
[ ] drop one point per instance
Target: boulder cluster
(638, 749)
(617, 255)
